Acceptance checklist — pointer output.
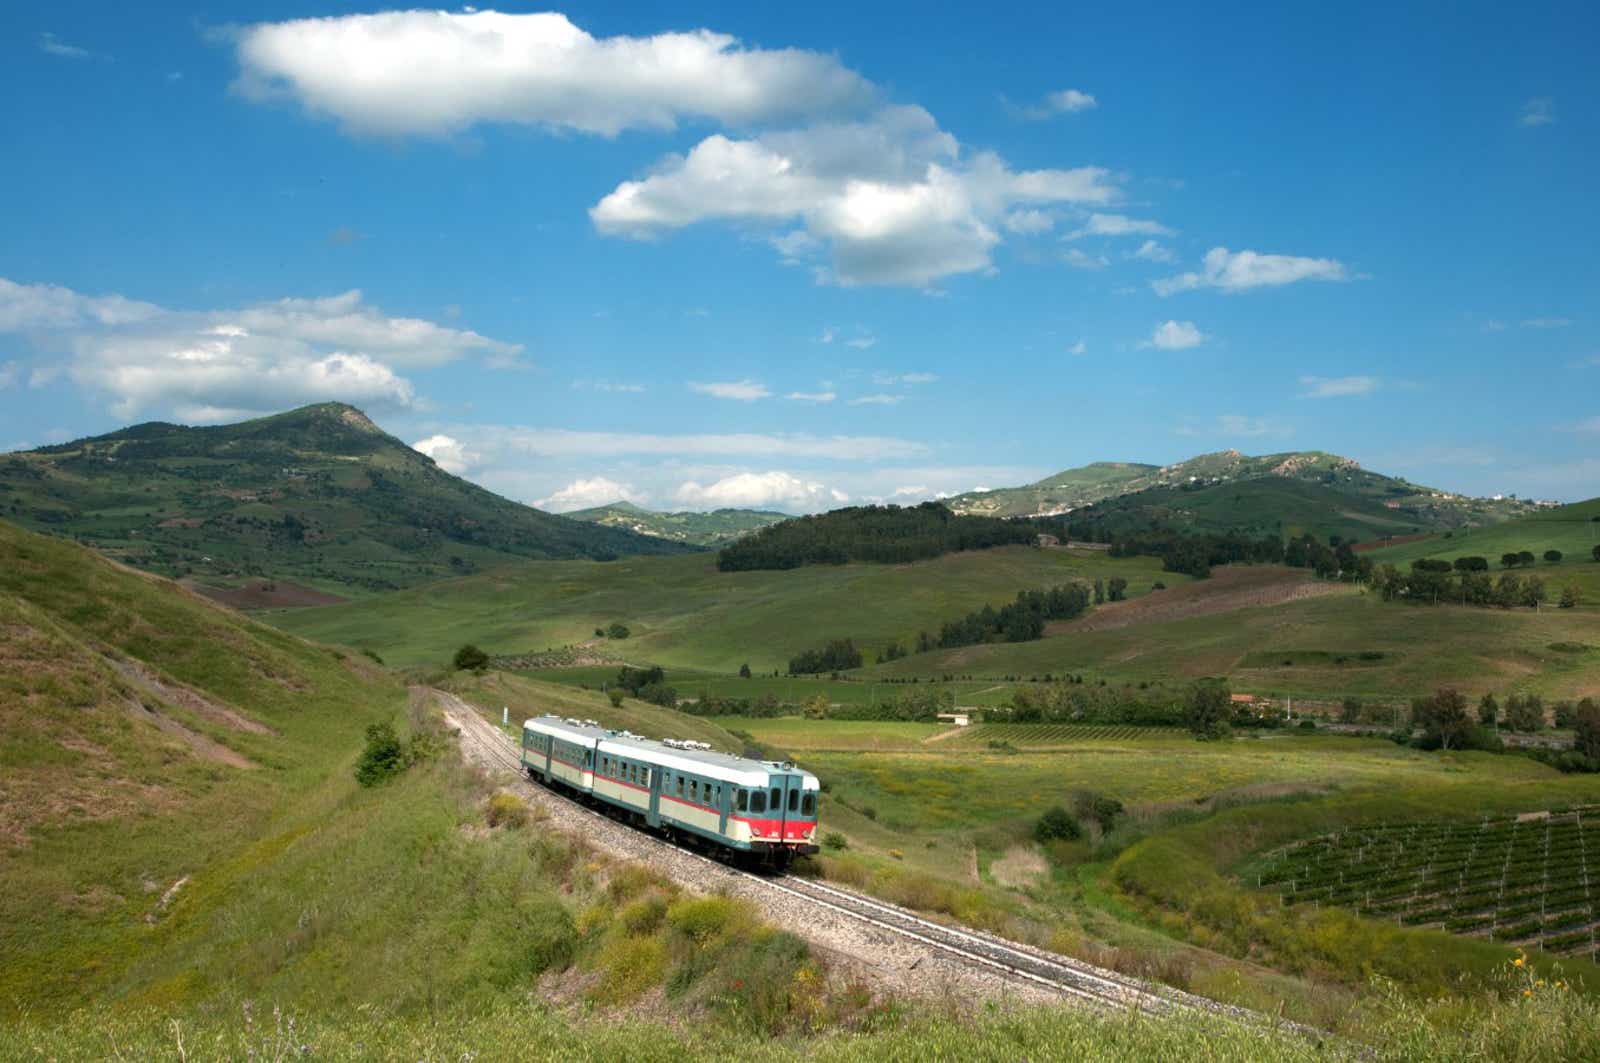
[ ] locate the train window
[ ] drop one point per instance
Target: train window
(742, 800)
(680, 786)
(808, 805)
(794, 800)
(777, 799)
(758, 801)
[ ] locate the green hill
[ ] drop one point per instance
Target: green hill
(318, 495)
(1574, 530)
(1074, 489)
(714, 528)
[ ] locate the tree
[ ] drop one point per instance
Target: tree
(1472, 564)
(1488, 711)
(1595, 553)
(1510, 559)
(744, 670)
(1099, 591)
(383, 757)
(1209, 707)
(1533, 592)
(470, 659)
(617, 630)
(1552, 556)
(615, 695)
(1586, 724)
(1389, 582)
(1117, 589)
(1350, 710)
(1524, 712)
(1444, 718)
(1525, 557)
(1056, 825)
(1569, 597)
(817, 708)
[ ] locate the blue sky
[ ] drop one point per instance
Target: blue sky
(737, 255)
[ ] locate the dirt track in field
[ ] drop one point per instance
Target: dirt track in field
(267, 594)
(1230, 587)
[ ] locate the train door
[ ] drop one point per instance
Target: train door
(546, 744)
(724, 804)
(783, 800)
(653, 816)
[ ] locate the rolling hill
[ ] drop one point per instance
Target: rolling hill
(715, 528)
(1345, 482)
(318, 495)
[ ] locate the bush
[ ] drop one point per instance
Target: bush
(383, 758)
(470, 659)
(1208, 709)
(835, 842)
(1056, 825)
(615, 696)
(617, 631)
(744, 670)
(506, 810)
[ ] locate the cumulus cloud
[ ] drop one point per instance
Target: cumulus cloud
(738, 390)
(750, 489)
(1152, 251)
(582, 494)
(438, 72)
(1118, 225)
(50, 44)
(567, 443)
(447, 453)
(1028, 222)
(1078, 260)
(891, 197)
(811, 396)
(1243, 270)
(1066, 101)
(217, 364)
(1541, 110)
(877, 400)
(1324, 387)
(1175, 336)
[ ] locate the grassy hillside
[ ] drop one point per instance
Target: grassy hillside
(712, 529)
(1574, 530)
(145, 735)
(319, 495)
(684, 613)
(1407, 503)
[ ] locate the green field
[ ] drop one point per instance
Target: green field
(683, 613)
(1571, 529)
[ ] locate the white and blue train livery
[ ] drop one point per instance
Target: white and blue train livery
(758, 808)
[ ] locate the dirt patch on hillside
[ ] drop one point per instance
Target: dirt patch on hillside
(203, 745)
(267, 594)
(1393, 540)
(1022, 866)
(176, 694)
(1230, 587)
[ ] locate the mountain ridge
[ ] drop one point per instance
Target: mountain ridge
(715, 527)
(319, 494)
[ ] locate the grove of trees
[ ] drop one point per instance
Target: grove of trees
(887, 534)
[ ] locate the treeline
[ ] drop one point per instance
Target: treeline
(1466, 581)
(1205, 708)
(1022, 620)
(647, 684)
(916, 704)
(839, 655)
(885, 534)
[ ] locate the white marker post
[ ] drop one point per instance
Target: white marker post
(505, 715)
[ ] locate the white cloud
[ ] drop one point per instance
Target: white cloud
(567, 443)
(1175, 336)
(1066, 101)
(911, 491)
(608, 386)
(1541, 110)
(1028, 222)
(1547, 322)
(1235, 426)
(877, 400)
(697, 311)
(438, 72)
(1588, 424)
(829, 334)
(811, 396)
(891, 379)
(1323, 387)
(750, 489)
(1493, 325)
(891, 196)
(212, 365)
(447, 453)
(1243, 270)
(1151, 251)
(582, 494)
(10, 373)
(862, 343)
(1078, 260)
(738, 390)
(1078, 348)
(50, 44)
(1118, 225)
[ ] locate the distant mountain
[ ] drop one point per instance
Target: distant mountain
(318, 495)
(1338, 483)
(715, 528)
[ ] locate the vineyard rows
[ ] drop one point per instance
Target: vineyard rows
(1056, 734)
(1533, 882)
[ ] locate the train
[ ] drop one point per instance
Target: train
(753, 811)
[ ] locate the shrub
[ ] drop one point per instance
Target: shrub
(470, 659)
(1087, 804)
(506, 810)
(1056, 825)
(744, 670)
(835, 842)
(614, 694)
(1569, 597)
(1552, 556)
(383, 758)
(617, 630)
(702, 919)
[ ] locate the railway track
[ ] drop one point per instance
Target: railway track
(1080, 982)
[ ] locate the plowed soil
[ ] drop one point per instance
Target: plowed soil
(1230, 587)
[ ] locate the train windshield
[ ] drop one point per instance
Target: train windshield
(808, 805)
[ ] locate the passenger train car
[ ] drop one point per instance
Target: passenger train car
(758, 809)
